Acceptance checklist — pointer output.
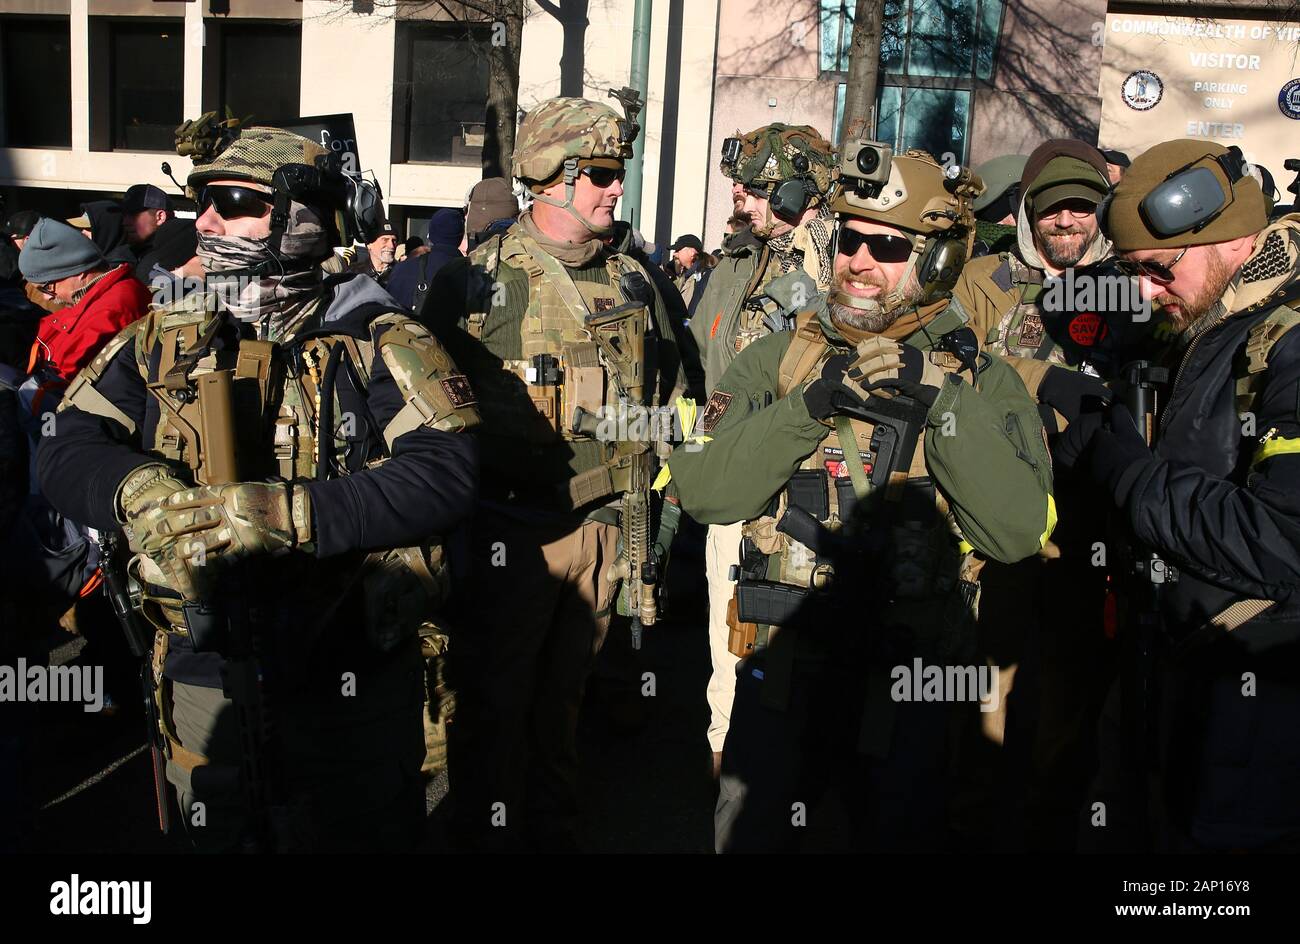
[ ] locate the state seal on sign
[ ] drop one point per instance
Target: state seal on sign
(1142, 90)
(1288, 99)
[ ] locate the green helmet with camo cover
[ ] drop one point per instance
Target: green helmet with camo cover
(561, 136)
(223, 150)
(293, 167)
(776, 153)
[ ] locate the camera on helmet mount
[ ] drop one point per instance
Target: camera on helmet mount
(730, 154)
(865, 165)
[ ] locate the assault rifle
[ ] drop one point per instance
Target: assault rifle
(225, 623)
(139, 639)
(1146, 578)
(867, 509)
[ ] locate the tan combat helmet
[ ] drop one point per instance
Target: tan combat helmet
(914, 193)
(560, 137)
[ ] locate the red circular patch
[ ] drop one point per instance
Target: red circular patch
(1086, 329)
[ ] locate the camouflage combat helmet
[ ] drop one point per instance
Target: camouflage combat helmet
(776, 153)
(225, 150)
(913, 192)
(563, 135)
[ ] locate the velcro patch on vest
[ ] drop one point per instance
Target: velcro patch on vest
(458, 390)
(1032, 330)
(713, 411)
(603, 304)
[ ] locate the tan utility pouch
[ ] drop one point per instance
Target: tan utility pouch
(740, 636)
(584, 385)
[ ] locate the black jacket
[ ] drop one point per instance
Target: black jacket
(426, 488)
(1226, 512)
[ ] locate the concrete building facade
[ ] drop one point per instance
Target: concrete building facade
(125, 71)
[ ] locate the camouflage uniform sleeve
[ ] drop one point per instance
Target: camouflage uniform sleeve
(987, 453)
(422, 403)
(747, 443)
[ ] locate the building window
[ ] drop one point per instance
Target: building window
(137, 83)
(440, 93)
(253, 68)
(37, 77)
(932, 52)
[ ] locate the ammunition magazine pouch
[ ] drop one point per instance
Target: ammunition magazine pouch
(767, 602)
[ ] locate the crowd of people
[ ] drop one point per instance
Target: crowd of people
(993, 463)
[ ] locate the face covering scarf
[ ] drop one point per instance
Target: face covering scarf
(278, 301)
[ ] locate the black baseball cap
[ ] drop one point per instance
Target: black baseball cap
(1118, 158)
(20, 223)
(145, 197)
(687, 240)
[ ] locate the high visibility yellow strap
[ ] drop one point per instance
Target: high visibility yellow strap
(964, 546)
(1276, 446)
(1051, 521)
(662, 479)
(686, 411)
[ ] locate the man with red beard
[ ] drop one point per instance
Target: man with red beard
(1216, 494)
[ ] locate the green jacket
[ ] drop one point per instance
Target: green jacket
(994, 469)
(717, 314)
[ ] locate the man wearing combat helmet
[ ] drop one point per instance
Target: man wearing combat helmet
(877, 458)
(282, 455)
(558, 334)
(781, 178)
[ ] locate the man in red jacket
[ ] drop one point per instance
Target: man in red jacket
(102, 298)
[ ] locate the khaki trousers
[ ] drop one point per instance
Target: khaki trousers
(721, 550)
(533, 617)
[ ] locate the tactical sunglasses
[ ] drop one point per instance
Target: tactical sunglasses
(604, 177)
(884, 247)
(233, 202)
(1155, 271)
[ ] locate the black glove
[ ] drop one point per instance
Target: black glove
(1072, 443)
(1117, 451)
(829, 393)
(1070, 392)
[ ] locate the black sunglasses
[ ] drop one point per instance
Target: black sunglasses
(883, 247)
(234, 202)
(604, 177)
(1155, 271)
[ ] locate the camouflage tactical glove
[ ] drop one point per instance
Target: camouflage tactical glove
(212, 525)
(884, 367)
(242, 519)
(142, 508)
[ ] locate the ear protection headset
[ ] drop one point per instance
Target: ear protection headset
(357, 203)
(1189, 199)
(939, 266)
(791, 197)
